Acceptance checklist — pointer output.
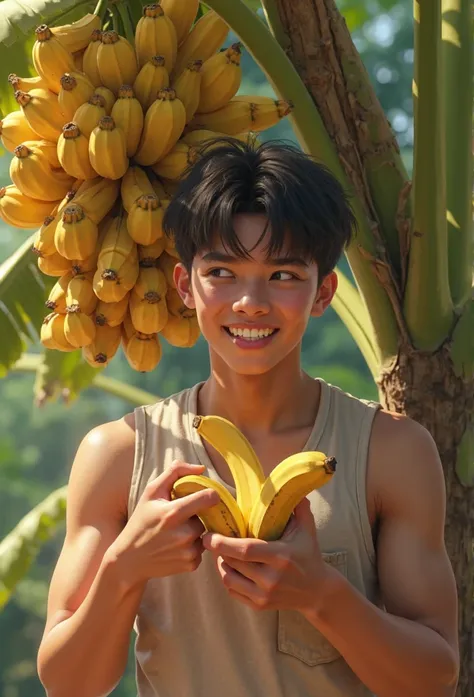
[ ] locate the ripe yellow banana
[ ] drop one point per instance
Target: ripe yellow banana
(22, 211)
(54, 265)
(204, 39)
(143, 351)
(25, 84)
(41, 110)
(164, 123)
(89, 59)
(77, 36)
(188, 87)
(73, 153)
(43, 244)
(176, 162)
(48, 151)
(109, 98)
(225, 518)
(75, 236)
(241, 458)
(50, 58)
(76, 88)
(52, 333)
(181, 331)
(148, 316)
(135, 183)
(127, 113)
(88, 115)
(145, 220)
(79, 328)
(182, 13)
(31, 172)
(97, 196)
(15, 130)
(56, 301)
(221, 78)
(107, 149)
(155, 35)
(149, 254)
(116, 61)
(104, 346)
(80, 296)
(291, 480)
(152, 78)
(111, 314)
(244, 113)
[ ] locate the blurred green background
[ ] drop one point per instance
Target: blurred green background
(37, 446)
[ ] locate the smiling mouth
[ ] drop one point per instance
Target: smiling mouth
(250, 334)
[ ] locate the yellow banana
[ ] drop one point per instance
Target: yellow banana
(31, 172)
(78, 61)
(143, 352)
(176, 162)
(145, 220)
(76, 88)
(73, 153)
(52, 333)
(48, 151)
(79, 328)
(182, 332)
(54, 265)
(188, 87)
(88, 115)
(89, 59)
(153, 76)
(56, 301)
(164, 123)
(244, 113)
(97, 196)
(41, 110)
(77, 36)
(149, 254)
(182, 13)
(25, 84)
(155, 35)
(241, 458)
(109, 98)
(50, 58)
(43, 244)
(75, 236)
(116, 61)
(107, 149)
(22, 211)
(111, 314)
(116, 243)
(103, 347)
(221, 78)
(204, 39)
(113, 283)
(127, 113)
(291, 480)
(15, 130)
(135, 183)
(148, 316)
(80, 296)
(225, 517)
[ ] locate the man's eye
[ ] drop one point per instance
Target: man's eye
(220, 273)
(283, 276)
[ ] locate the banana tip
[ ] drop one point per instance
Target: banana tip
(197, 421)
(330, 465)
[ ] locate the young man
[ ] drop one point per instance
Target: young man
(358, 596)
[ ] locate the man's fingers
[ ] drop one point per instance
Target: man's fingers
(193, 504)
(160, 488)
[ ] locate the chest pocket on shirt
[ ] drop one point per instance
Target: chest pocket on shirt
(298, 637)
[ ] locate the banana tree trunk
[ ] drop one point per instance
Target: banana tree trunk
(430, 375)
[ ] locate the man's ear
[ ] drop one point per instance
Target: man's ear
(182, 279)
(325, 294)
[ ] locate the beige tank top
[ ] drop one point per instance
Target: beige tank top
(193, 639)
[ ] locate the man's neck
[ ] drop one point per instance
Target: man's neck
(283, 399)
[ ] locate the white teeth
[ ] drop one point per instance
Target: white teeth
(251, 334)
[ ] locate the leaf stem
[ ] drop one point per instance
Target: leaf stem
(101, 9)
(126, 21)
(428, 307)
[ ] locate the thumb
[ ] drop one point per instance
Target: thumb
(160, 487)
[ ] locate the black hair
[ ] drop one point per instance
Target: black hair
(299, 196)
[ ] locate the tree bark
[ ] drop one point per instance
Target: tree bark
(422, 385)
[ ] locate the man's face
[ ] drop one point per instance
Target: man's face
(253, 312)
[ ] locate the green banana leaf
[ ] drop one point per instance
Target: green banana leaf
(19, 549)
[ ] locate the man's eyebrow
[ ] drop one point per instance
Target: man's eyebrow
(230, 259)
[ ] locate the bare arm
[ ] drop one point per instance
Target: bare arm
(78, 651)
(412, 649)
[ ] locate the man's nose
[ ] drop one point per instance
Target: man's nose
(252, 300)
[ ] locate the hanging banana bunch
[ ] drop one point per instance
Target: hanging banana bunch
(104, 131)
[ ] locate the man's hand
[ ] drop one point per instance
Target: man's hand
(289, 573)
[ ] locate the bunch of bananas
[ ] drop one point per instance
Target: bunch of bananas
(263, 506)
(103, 133)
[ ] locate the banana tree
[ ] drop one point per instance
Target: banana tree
(411, 309)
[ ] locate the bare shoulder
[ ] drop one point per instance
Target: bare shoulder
(404, 464)
(104, 463)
